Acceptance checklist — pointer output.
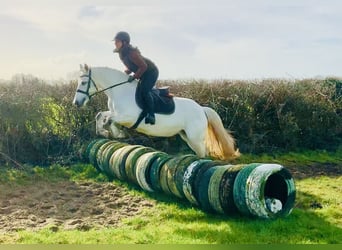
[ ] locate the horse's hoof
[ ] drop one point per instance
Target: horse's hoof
(121, 135)
(104, 133)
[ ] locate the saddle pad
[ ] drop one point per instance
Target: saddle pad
(163, 101)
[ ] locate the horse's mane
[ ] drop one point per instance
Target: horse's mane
(108, 69)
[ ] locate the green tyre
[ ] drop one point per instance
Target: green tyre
(142, 170)
(107, 154)
(226, 189)
(214, 188)
(180, 171)
(155, 169)
(203, 194)
(199, 175)
(257, 183)
(87, 151)
(173, 164)
(131, 160)
(163, 175)
(93, 152)
(117, 161)
(99, 155)
(189, 180)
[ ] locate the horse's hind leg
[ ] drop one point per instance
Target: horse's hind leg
(195, 139)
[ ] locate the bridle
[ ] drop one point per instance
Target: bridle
(91, 81)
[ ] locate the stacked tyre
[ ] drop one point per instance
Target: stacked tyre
(257, 189)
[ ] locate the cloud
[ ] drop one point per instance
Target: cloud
(187, 39)
(90, 11)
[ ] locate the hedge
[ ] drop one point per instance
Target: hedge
(39, 124)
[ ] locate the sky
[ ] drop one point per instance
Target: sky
(187, 39)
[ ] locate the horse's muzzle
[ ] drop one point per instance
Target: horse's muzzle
(78, 103)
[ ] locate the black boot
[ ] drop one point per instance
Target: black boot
(150, 118)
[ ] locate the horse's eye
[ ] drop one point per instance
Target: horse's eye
(83, 83)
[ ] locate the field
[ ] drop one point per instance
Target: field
(47, 195)
(76, 204)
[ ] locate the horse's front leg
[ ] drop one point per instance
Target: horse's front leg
(101, 120)
(107, 119)
(116, 131)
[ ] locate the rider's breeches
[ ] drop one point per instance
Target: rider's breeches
(144, 87)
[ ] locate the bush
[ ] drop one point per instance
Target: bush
(276, 115)
(39, 124)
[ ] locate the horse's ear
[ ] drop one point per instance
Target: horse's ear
(86, 67)
(81, 67)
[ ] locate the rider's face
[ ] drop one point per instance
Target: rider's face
(118, 44)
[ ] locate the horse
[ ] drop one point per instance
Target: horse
(200, 127)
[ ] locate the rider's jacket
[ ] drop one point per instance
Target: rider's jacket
(135, 62)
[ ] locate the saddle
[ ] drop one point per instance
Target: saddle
(163, 103)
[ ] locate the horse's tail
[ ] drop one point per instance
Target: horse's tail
(219, 143)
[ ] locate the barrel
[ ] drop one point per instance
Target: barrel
(258, 183)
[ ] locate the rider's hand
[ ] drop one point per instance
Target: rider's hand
(127, 71)
(130, 78)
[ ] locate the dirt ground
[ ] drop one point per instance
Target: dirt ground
(66, 205)
(301, 172)
(69, 205)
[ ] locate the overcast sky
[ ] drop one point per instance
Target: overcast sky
(213, 39)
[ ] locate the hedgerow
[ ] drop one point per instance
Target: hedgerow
(39, 124)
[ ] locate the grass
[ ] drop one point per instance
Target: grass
(308, 157)
(176, 222)
(316, 218)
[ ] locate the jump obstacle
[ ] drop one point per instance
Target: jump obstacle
(257, 189)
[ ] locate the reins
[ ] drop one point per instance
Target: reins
(97, 90)
(102, 90)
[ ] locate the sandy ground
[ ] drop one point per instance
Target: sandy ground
(66, 205)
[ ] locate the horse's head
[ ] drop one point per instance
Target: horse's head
(86, 86)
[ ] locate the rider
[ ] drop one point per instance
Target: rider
(144, 70)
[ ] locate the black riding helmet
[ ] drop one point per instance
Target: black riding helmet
(122, 36)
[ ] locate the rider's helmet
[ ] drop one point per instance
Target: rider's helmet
(122, 36)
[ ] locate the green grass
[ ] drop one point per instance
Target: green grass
(308, 157)
(172, 221)
(176, 221)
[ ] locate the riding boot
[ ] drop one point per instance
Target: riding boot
(150, 118)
